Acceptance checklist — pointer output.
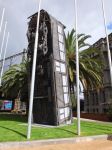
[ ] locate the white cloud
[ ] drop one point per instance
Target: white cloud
(90, 19)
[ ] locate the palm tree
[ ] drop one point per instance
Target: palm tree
(90, 67)
(15, 80)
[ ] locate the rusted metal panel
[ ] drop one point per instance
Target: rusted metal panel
(51, 96)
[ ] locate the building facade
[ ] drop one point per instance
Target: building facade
(100, 100)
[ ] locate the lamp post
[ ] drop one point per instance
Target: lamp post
(1, 73)
(107, 39)
(77, 71)
(33, 75)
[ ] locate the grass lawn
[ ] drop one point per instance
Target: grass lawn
(11, 129)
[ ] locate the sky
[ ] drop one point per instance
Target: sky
(90, 20)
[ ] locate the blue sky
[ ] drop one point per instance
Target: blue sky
(90, 19)
(109, 26)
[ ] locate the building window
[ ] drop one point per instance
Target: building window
(105, 110)
(87, 110)
(93, 110)
(87, 99)
(110, 46)
(92, 94)
(97, 110)
(104, 97)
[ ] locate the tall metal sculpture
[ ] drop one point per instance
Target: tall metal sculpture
(51, 96)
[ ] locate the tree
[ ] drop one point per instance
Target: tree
(90, 67)
(15, 81)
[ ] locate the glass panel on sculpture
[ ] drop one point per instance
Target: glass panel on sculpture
(62, 56)
(61, 111)
(57, 66)
(57, 63)
(64, 79)
(61, 38)
(69, 122)
(63, 68)
(66, 98)
(61, 46)
(62, 116)
(60, 29)
(58, 69)
(65, 89)
(67, 112)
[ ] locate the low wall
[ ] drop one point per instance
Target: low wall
(99, 117)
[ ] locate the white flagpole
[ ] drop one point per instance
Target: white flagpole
(3, 40)
(107, 39)
(77, 71)
(33, 75)
(1, 74)
(1, 22)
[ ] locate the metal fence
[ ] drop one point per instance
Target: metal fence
(14, 59)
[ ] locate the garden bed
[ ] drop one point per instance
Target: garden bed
(93, 116)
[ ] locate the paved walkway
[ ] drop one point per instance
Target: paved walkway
(84, 119)
(92, 145)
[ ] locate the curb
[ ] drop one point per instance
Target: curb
(96, 121)
(7, 145)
